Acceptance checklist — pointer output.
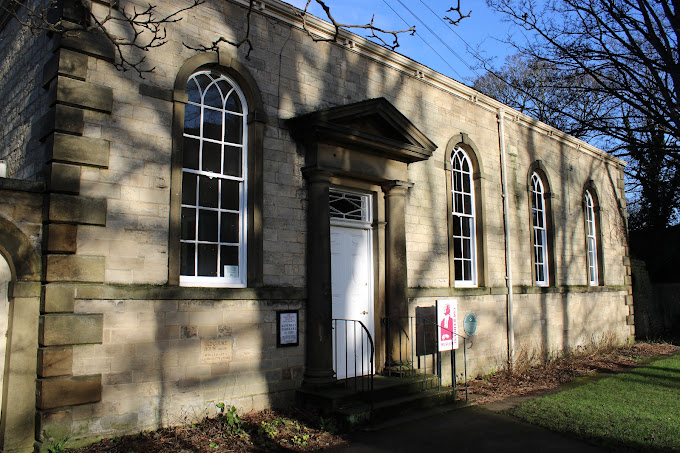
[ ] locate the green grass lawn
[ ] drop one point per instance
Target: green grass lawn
(637, 410)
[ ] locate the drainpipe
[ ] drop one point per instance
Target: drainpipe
(508, 253)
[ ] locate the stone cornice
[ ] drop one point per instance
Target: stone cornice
(360, 45)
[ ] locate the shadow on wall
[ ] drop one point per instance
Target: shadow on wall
(153, 338)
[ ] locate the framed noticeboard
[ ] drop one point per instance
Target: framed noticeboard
(287, 328)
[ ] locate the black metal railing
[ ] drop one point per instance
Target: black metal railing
(412, 343)
(353, 355)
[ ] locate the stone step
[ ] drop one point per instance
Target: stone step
(392, 397)
(360, 413)
(330, 398)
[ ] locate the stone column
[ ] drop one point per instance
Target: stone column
(319, 313)
(395, 270)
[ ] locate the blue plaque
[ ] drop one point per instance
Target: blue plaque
(470, 324)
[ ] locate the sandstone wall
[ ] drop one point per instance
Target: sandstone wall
(121, 349)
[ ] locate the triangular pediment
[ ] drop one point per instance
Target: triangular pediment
(374, 125)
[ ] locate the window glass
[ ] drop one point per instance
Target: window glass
(233, 104)
(539, 231)
(463, 219)
(233, 129)
(348, 206)
(211, 157)
(191, 152)
(194, 93)
(212, 124)
(207, 192)
(192, 120)
(213, 97)
(591, 240)
(188, 253)
(232, 161)
(214, 200)
(207, 260)
(188, 230)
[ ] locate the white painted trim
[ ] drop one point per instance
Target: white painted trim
(242, 280)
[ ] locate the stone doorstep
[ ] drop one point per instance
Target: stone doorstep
(409, 407)
(393, 397)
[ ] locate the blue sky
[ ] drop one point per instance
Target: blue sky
(480, 33)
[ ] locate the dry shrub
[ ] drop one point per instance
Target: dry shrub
(528, 357)
(537, 370)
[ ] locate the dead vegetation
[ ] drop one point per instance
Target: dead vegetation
(268, 430)
(535, 372)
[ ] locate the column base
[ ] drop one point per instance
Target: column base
(318, 378)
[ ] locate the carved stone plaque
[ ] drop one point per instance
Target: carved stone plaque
(215, 351)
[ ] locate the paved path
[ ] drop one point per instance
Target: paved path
(472, 429)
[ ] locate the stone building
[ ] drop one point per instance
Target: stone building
(155, 231)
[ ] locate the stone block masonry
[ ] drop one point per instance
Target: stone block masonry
(20, 290)
(123, 347)
(23, 56)
(173, 360)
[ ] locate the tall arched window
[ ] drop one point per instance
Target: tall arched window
(591, 239)
(463, 219)
(539, 226)
(213, 239)
(593, 232)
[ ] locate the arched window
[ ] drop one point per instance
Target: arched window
(593, 233)
(463, 219)
(213, 237)
(591, 239)
(539, 226)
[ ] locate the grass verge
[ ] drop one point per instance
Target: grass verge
(638, 409)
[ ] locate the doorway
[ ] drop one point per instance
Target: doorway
(5, 277)
(352, 283)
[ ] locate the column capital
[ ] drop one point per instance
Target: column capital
(316, 174)
(396, 186)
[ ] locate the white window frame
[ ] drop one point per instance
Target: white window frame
(240, 280)
(364, 210)
(591, 240)
(458, 213)
(539, 231)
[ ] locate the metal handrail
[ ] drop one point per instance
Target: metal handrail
(366, 345)
(412, 321)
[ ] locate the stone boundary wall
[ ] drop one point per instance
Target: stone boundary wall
(668, 297)
(657, 305)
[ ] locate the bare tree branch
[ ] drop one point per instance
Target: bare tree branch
(460, 17)
(610, 72)
(144, 29)
(374, 31)
(245, 40)
(627, 48)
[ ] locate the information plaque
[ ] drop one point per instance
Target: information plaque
(288, 328)
(216, 351)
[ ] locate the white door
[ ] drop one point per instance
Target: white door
(5, 277)
(352, 288)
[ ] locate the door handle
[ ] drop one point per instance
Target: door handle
(364, 312)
